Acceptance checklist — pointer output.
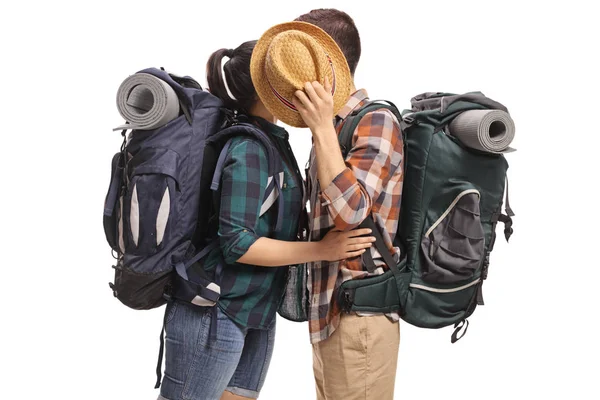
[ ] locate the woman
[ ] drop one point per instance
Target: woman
(231, 361)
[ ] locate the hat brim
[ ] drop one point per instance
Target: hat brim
(257, 70)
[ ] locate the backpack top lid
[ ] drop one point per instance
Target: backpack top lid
(438, 108)
(189, 92)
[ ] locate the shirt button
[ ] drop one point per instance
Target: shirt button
(245, 230)
(284, 185)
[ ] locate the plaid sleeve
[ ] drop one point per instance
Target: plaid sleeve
(243, 184)
(369, 167)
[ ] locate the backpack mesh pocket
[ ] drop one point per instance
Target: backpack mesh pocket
(453, 247)
(294, 305)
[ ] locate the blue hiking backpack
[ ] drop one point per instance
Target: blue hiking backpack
(160, 201)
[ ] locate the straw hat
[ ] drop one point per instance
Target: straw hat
(289, 55)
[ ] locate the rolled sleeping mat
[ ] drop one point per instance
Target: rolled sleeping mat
(491, 131)
(146, 102)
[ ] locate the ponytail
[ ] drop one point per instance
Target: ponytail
(228, 77)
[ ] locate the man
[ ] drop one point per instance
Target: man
(354, 356)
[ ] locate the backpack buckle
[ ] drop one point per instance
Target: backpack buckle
(231, 117)
(409, 119)
(347, 300)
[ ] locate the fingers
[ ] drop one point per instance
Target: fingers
(312, 94)
(358, 232)
(355, 253)
(328, 85)
(299, 106)
(320, 90)
(361, 240)
(360, 246)
(304, 100)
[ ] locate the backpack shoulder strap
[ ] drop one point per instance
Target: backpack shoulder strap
(352, 121)
(275, 173)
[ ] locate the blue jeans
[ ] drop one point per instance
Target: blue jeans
(199, 367)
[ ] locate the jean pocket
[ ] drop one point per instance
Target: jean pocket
(453, 247)
(170, 311)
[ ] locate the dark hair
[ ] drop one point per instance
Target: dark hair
(237, 74)
(341, 28)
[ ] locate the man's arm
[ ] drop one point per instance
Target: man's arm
(349, 188)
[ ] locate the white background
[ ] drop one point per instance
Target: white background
(65, 336)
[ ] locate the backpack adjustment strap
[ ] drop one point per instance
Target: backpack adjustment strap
(406, 122)
(161, 352)
(457, 328)
(507, 221)
(202, 293)
(485, 265)
(380, 245)
(347, 300)
(480, 301)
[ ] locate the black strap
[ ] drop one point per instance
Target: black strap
(507, 221)
(507, 208)
(380, 245)
(345, 135)
(457, 328)
(369, 262)
(185, 110)
(480, 301)
(160, 353)
(213, 318)
(352, 121)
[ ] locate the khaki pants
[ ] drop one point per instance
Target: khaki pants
(358, 362)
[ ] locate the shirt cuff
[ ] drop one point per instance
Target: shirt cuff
(341, 186)
(235, 249)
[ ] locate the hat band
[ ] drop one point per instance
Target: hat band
(282, 99)
(332, 73)
(291, 105)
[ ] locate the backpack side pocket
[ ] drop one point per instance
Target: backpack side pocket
(453, 247)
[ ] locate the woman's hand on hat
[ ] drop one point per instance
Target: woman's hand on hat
(315, 105)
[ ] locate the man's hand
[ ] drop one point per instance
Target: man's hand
(316, 108)
(315, 105)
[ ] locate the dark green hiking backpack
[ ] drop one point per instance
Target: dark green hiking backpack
(452, 200)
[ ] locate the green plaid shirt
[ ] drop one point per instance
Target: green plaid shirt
(250, 295)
